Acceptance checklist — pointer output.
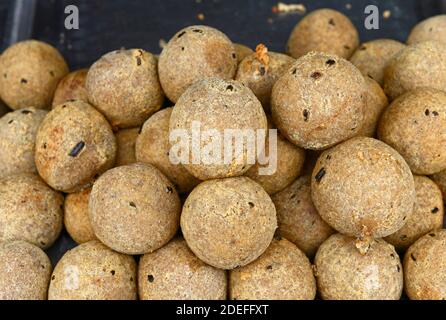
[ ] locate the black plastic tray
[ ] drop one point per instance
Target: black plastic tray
(106, 25)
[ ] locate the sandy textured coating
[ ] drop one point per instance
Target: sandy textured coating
(323, 30)
(153, 147)
(427, 215)
(175, 273)
(283, 272)
(29, 210)
(371, 57)
(425, 267)
(430, 29)
(319, 101)
(76, 216)
(362, 188)
(74, 144)
(419, 65)
(298, 219)
(343, 273)
(228, 223)
(91, 271)
(195, 53)
(126, 141)
(25, 272)
(71, 87)
(415, 125)
(30, 71)
(134, 209)
(124, 86)
(218, 105)
(18, 132)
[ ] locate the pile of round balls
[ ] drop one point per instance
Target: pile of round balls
(353, 211)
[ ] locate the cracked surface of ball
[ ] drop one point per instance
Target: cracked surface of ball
(228, 223)
(425, 267)
(319, 101)
(195, 53)
(343, 273)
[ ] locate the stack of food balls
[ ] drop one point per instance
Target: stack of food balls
(359, 180)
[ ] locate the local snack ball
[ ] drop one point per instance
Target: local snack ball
(71, 87)
(76, 216)
(430, 29)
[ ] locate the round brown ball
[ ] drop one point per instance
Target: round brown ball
(376, 103)
(134, 209)
(298, 219)
(324, 30)
(195, 53)
(29, 210)
(124, 86)
(415, 125)
(363, 188)
(126, 141)
(425, 267)
(152, 146)
(25, 271)
(319, 101)
(175, 273)
(419, 65)
(372, 57)
(242, 51)
(228, 223)
(76, 217)
(74, 144)
(427, 214)
(430, 29)
(18, 132)
(343, 273)
(283, 272)
(31, 71)
(260, 70)
(71, 87)
(217, 104)
(91, 271)
(289, 161)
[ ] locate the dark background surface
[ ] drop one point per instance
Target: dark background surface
(106, 25)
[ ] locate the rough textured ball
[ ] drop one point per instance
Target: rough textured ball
(134, 209)
(195, 53)
(298, 219)
(283, 272)
(29, 210)
(427, 215)
(260, 70)
(286, 165)
(323, 30)
(124, 86)
(343, 273)
(217, 105)
(371, 57)
(376, 103)
(25, 271)
(419, 65)
(425, 267)
(415, 125)
(76, 217)
(319, 101)
(74, 144)
(242, 51)
(430, 29)
(152, 146)
(228, 223)
(71, 87)
(91, 271)
(126, 141)
(31, 71)
(175, 273)
(18, 132)
(363, 188)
